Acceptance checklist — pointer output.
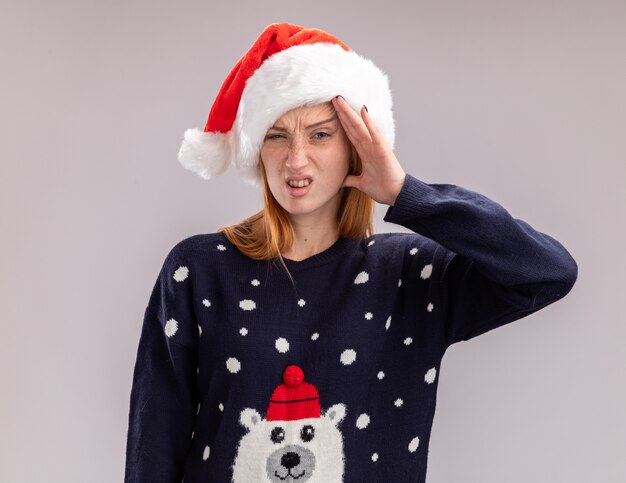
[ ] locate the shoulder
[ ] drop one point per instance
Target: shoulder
(411, 249)
(204, 248)
(199, 244)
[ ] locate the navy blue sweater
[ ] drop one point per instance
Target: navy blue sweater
(241, 376)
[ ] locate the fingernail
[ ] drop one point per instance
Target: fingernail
(365, 107)
(340, 96)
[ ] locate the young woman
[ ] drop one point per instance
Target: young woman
(298, 346)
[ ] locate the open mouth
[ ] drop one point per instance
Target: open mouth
(299, 187)
(299, 184)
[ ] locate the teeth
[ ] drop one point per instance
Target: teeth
(299, 184)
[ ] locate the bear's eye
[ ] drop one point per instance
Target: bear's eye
(278, 434)
(307, 432)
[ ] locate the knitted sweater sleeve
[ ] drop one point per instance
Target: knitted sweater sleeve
(163, 395)
(496, 269)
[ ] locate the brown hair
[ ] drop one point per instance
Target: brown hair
(269, 232)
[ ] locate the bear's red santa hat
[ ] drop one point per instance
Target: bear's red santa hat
(294, 399)
(288, 66)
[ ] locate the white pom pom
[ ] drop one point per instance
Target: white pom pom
(205, 153)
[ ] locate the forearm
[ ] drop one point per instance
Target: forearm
(506, 250)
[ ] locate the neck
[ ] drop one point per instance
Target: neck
(311, 239)
(314, 231)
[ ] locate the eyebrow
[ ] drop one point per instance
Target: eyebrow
(330, 119)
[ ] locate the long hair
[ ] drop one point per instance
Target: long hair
(269, 232)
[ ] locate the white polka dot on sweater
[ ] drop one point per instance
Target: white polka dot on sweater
(233, 365)
(413, 251)
(221, 247)
(408, 341)
(247, 305)
(363, 421)
(388, 323)
(198, 410)
(171, 326)
(199, 330)
(361, 278)
(181, 273)
(255, 282)
(243, 331)
(398, 402)
(301, 302)
(399, 282)
(206, 303)
(369, 316)
(426, 271)
(315, 336)
(374, 457)
(282, 345)
(380, 374)
(430, 307)
(220, 407)
(348, 357)
(205, 453)
(414, 444)
(371, 243)
(430, 375)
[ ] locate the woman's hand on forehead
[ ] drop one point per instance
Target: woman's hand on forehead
(382, 176)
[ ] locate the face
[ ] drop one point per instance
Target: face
(306, 156)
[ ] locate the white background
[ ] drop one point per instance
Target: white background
(522, 101)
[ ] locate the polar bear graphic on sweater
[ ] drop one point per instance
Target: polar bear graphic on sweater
(295, 443)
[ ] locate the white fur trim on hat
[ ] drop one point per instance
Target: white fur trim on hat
(306, 74)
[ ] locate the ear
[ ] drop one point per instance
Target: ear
(249, 418)
(336, 413)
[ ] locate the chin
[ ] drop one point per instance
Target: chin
(300, 210)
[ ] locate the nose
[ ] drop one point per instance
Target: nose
(290, 460)
(297, 156)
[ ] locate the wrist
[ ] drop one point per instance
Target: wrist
(396, 190)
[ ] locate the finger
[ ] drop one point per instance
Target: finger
(351, 181)
(343, 113)
(352, 123)
(375, 134)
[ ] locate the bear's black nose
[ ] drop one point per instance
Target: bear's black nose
(290, 460)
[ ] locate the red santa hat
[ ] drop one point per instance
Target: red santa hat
(288, 66)
(294, 399)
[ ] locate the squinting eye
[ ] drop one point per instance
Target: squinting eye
(324, 133)
(272, 136)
